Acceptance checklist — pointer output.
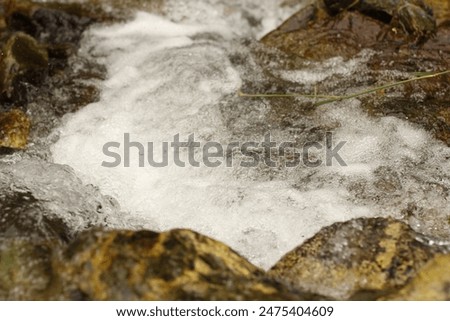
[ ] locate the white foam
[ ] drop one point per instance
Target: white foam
(242, 17)
(317, 72)
(162, 81)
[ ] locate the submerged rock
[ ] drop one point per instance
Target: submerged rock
(430, 284)
(45, 200)
(174, 265)
(14, 129)
(358, 259)
(22, 215)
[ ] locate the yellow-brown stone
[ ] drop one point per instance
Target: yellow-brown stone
(358, 259)
(431, 283)
(14, 129)
(174, 265)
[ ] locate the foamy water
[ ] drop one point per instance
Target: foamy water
(167, 78)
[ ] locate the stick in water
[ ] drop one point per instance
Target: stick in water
(329, 99)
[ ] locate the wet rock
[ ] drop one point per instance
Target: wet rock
(413, 16)
(342, 28)
(358, 259)
(126, 7)
(401, 49)
(174, 265)
(23, 61)
(315, 35)
(25, 269)
(40, 69)
(50, 24)
(43, 200)
(441, 10)
(133, 265)
(14, 129)
(64, 80)
(20, 13)
(22, 215)
(432, 283)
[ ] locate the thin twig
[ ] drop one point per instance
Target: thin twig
(329, 99)
(274, 95)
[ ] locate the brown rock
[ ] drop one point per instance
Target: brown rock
(314, 35)
(441, 10)
(431, 283)
(319, 32)
(127, 265)
(25, 270)
(2, 23)
(358, 259)
(22, 215)
(23, 60)
(174, 265)
(40, 70)
(14, 129)
(332, 28)
(22, 11)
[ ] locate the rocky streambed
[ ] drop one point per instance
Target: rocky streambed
(76, 74)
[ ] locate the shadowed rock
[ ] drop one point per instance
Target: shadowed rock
(25, 269)
(23, 61)
(22, 215)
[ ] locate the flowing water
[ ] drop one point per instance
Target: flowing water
(177, 74)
